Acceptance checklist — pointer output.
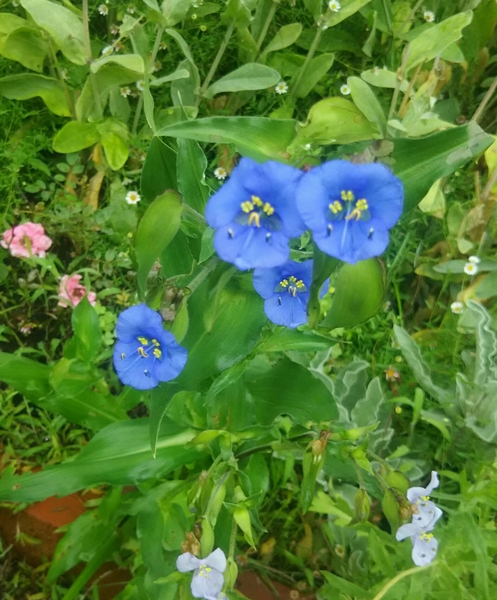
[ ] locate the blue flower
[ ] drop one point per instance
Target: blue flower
(285, 290)
(424, 510)
(349, 208)
(424, 545)
(208, 578)
(255, 214)
(145, 352)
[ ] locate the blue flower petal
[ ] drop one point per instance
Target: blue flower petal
(287, 310)
(249, 247)
(133, 369)
(216, 560)
(206, 583)
(173, 362)
(187, 562)
(424, 550)
(137, 321)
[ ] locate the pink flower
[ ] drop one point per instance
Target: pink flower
(26, 240)
(71, 292)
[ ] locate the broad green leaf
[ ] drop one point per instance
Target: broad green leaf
(366, 101)
(237, 13)
(29, 85)
(26, 46)
(285, 36)
(347, 9)
(317, 68)
(184, 90)
(235, 319)
(335, 121)
(174, 11)
(231, 407)
(338, 584)
(359, 294)
(384, 79)
(420, 162)
(157, 228)
(289, 388)
(86, 328)
(9, 23)
(177, 258)
(132, 62)
(315, 7)
(75, 136)
(114, 138)
(433, 41)
(159, 170)
(62, 24)
(118, 455)
(178, 74)
(255, 137)
(27, 376)
(291, 339)
(191, 165)
(251, 76)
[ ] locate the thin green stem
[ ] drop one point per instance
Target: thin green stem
(308, 58)
(89, 58)
(264, 447)
(400, 78)
(408, 18)
(215, 64)
(387, 14)
(138, 112)
(267, 23)
(484, 102)
(397, 578)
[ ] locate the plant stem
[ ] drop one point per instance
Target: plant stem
(408, 18)
(215, 64)
(405, 99)
(89, 58)
(308, 58)
(400, 78)
(483, 104)
(267, 23)
(397, 578)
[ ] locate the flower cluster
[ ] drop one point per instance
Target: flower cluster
(26, 241)
(208, 578)
(349, 209)
(71, 292)
(424, 517)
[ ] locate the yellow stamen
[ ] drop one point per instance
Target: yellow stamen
(254, 219)
(426, 537)
(155, 343)
(157, 353)
(347, 195)
(300, 284)
(335, 207)
(284, 283)
(143, 341)
(247, 206)
(257, 201)
(142, 352)
(268, 209)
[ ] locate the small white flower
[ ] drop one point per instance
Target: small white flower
(197, 3)
(334, 5)
(133, 197)
(220, 173)
(429, 16)
(108, 50)
(125, 91)
(63, 73)
(103, 10)
(307, 147)
(127, 181)
(457, 307)
(470, 268)
(15, 3)
(395, 344)
(131, 9)
(474, 260)
(281, 88)
(114, 29)
(344, 89)
(140, 85)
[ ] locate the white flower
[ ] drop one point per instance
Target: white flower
(424, 545)
(125, 91)
(334, 5)
(425, 513)
(307, 147)
(344, 89)
(197, 3)
(470, 268)
(108, 50)
(103, 10)
(220, 173)
(429, 16)
(131, 9)
(457, 307)
(208, 579)
(139, 85)
(376, 70)
(281, 88)
(114, 29)
(63, 73)
(15, 3)
(474, 260)
(133, 197)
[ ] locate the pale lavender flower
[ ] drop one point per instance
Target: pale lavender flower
(208, 578)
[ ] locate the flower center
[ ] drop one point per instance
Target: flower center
(292, 285)
(204, 571)
(347, 207)
(256, 213)
(425, 537)
(147, 346)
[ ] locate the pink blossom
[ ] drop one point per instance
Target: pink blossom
(71, 292)
(26, 240)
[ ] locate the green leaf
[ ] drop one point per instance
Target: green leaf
(335, 121)
(285, 36)
(174, 11)
(338, 584)
(348, 8)
(28, 85)
(191, 165)
(390, 507)
(420, 162)
(359, 294)
(86, 330)
(366, 101)
(114, 139)
(317, 68)
(315, 7)
(291, 339)
(132, 62)
(433, 41)
(177, 258)
(75, 136)
(251, 76)
(157, 228)
(118, 455)
(159, 170)
(384, 79)
(290, 389)
(256, 137)
(233, 328)
(27, 376)
(63, 26)
(26, 46)
(237, 13)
